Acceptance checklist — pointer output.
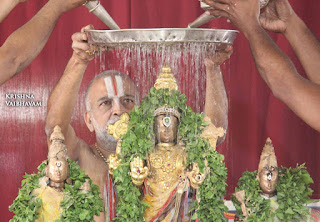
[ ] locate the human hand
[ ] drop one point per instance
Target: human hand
(276, 16)
(196, 177)
(221, 54)
(67, 5)
(242, 13)
(138, 172)
(83, 52)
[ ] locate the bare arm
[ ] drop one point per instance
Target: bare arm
(280, 17)
(216, 101)
(277, 70)
(23, 46)
(63, 98)
(6, 8)
(300, 95)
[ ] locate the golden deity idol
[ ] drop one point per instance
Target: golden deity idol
(167, 180)
(57, 172)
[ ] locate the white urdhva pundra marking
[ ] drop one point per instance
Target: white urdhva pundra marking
(119, 86)
(109, 86)
(111, 83)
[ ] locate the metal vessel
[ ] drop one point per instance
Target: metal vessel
(112, 38)
(96, 8)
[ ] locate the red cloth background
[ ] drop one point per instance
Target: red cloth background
(254, 113)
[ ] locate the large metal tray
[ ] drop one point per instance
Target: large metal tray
(112, 38)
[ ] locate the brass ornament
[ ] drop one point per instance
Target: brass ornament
(57, 147)
(241, 197)
(114, 162)
(166, 80)
(167, 163)
(196, 177)
(212, 133)
(166, 110)
(85, 187)
(119, 128)
(268, 157)
(138, 171)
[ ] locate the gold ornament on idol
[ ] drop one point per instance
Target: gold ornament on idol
(166, 80)
(268, 157)
(212, 133)
(117, 130)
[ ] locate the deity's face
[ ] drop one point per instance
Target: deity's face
(268, 178)
(166, 128)
(109, 97)
(58, 169)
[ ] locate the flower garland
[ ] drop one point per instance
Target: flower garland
(76, 205)
(139, 141)
(293, 194)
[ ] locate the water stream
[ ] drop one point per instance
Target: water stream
(143, 62)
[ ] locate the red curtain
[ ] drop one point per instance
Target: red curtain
(254, 113)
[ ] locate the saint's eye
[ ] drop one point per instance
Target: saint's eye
(106, 103)
(127, 100)
(58, 164)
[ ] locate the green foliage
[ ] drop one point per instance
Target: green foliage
(211, 206)
(79, 205)
(254, 201)
(293, 194)
(26, 206)
(76, 205)
(139, 141)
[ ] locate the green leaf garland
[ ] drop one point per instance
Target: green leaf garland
(139, 141)
(293, 194)
(76, 205)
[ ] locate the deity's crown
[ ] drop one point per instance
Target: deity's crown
(166, 110)
(166, 79)
(56, 135)
(57, 148)
(268, 157)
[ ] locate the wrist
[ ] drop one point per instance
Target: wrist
(76, 60)
(56, 6)
(253, 30)
(213, 71)
(293, 25)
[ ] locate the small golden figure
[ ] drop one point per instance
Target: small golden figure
(52, 185)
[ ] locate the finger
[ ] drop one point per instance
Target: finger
(84, 56)
(224, 49)
(79, 36)
(221, 47)
(81, 46)
(95, 48)
(208, 2)
(229, 2)
(219, 13)
(88, 27)
(221, 6)
(229, 48)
